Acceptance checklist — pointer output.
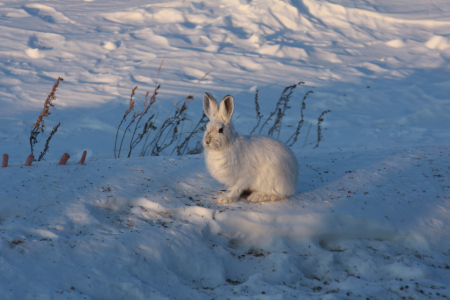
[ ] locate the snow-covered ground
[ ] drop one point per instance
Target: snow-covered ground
(371, 216)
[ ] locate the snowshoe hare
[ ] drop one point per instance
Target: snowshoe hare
(261, 166)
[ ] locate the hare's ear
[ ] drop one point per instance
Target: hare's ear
(210, 105)
(227, 108)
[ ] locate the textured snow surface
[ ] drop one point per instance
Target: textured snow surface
(370, 218)
(371, 223)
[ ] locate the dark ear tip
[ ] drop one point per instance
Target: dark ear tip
(227, 98)
(207, 95)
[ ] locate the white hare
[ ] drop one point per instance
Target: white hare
(261, 166)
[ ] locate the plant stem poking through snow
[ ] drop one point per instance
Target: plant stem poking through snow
(130, 108)
(5, 160)
(170, 131)
(137, 117)
(83, 157)
(198, 129)
(39, 127)
(64, 158)
(281, 107)
(279, 113)
(148, 126)
(30, 159)
(170, 135)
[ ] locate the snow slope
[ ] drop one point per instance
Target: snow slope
(381, 68)
(363, 224)
(371, 214)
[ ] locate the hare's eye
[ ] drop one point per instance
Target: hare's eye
(221, 130)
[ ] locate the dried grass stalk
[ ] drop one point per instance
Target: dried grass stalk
(319, 127)
(39, 127)
(47, 142)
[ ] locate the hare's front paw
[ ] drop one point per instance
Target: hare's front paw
(260, 197)
(225, 200)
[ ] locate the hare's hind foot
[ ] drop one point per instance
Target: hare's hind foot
(261, 197)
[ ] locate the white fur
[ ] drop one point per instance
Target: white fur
(263, 166)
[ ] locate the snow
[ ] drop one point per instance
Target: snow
(371, 215)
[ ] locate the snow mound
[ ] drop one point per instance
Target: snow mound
(46, 13)
(438, 43)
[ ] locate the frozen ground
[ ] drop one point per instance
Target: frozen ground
(371, 214)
